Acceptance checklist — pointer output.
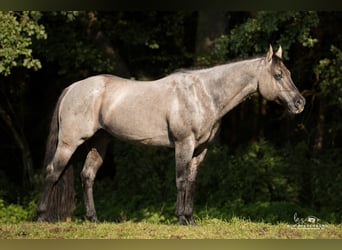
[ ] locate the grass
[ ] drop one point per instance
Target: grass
(207, 229)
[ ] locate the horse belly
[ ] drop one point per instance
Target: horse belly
(138, 130)
(137, 122)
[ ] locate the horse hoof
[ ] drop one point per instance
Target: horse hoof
(192, 222)
(182, 221)
(187, 221)
(40, 219)
(92, 219)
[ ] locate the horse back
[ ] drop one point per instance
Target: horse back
(157, 112)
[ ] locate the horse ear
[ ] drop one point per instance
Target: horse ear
(279, 53)
(269, 54)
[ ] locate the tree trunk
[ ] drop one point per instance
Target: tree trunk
(319, 136)
(22, 144)
(309, 170)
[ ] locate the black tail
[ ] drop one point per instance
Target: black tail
(61, 202)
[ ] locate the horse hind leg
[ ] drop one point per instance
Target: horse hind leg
(92, 164)
(54, 171)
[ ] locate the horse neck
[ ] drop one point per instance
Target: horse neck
(229, 84)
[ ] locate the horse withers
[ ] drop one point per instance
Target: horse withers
(182, 111)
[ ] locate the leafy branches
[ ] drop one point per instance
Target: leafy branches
(17, 32)
(256, 33)
(328, 73)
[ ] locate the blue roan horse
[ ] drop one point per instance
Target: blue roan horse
(182, 110)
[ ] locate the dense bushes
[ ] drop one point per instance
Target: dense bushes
(144, 184)
(13, 213)
(258, 181)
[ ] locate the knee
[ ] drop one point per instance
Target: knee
(88, 176)
(180, 183)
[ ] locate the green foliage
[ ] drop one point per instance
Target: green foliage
(143, 188)
(140, 44)
(15, 207)
(144, 170)
(14, 213)
(327, 183)
(153, 43)
(254, 35)
(259, 172)
(252, 179)
(258, 181)
(77, 53)
(328, 73)
(17, 33)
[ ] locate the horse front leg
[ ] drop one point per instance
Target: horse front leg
(183, 155)
(187, 163)
(191, 184)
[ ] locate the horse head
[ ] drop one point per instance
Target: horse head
(275, 83)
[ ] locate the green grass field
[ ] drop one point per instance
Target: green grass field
(207, 229)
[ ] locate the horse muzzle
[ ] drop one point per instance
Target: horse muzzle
(297, 105)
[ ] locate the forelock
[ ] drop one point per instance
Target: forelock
(276, 61)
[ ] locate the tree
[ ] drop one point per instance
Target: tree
(18, 30)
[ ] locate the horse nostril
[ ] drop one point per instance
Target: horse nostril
(299, 102)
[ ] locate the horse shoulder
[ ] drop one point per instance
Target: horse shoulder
(192, 112)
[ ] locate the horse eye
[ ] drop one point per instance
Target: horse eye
(278, 76)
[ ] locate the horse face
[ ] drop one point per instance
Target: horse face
(275, 83)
